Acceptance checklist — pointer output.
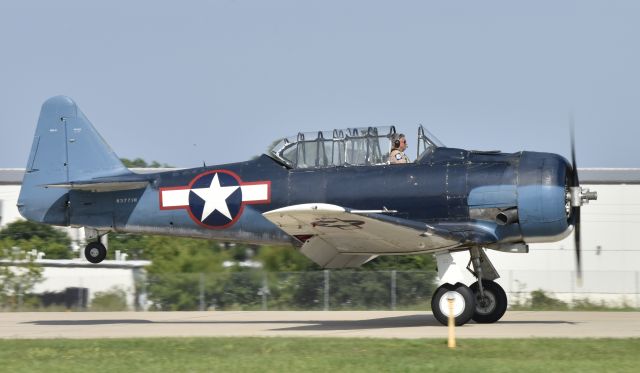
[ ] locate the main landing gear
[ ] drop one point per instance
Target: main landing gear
(463, 303)
(491, 304)
(484, 301)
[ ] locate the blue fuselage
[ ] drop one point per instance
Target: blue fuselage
(447, 185)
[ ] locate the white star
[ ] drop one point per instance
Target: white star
(215, 198)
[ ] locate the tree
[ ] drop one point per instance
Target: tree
(141, 163)
(284, 259)
(114, 299)
(25, 230)
(423, 262)
(29, 236)
(174, 277)
(18, 275)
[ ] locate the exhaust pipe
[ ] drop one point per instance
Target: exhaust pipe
(507, 217)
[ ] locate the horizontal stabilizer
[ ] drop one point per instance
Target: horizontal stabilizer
(102, 186)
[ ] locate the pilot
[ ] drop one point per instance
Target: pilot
(399, 145)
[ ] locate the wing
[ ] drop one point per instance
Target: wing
(337, 237)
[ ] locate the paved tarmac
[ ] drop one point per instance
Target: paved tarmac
(364, 324)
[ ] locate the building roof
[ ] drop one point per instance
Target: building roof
(81, 263)
(13, 176)
(609, 175)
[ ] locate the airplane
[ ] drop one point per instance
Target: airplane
(333, 195)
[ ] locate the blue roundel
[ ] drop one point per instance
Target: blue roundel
(215, 199)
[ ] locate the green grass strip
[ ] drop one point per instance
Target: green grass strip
(319, 355)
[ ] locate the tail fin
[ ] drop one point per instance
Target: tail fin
(65, 148)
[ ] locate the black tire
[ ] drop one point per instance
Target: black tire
(463, 312)
(493, 306)
(95, 252)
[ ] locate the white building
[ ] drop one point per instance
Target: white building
(10, 180)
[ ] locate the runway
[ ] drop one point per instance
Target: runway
(363, 324)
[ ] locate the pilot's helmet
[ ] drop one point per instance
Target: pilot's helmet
(395, 140)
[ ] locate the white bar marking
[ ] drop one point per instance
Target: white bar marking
(255, 192)
(175, 198)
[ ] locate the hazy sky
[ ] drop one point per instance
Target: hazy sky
(180, 82)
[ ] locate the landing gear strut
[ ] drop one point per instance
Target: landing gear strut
(95, 252)
(490, 298)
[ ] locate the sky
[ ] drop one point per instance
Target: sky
(187, 82)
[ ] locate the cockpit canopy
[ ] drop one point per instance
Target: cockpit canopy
(366, 146)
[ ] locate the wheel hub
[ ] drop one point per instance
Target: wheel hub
(458, 303)
(485, 304)
(94, 252)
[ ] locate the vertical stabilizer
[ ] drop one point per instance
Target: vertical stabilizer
(66, 148)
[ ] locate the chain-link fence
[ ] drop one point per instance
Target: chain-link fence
(122, 289)
(320, 290)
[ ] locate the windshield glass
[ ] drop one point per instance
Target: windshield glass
(348, 147)
(427, 142)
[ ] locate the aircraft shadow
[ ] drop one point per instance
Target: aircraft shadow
(88, 322)
(309, 325)
(386, 322)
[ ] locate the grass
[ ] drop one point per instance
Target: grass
(318, 355)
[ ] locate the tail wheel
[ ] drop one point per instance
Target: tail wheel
(492, 306)
(463, 303)
(95, 252)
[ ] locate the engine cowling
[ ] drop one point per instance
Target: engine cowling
(543, 207)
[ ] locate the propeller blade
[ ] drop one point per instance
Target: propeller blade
(575, 180)
(577, 238)
(574, 164)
